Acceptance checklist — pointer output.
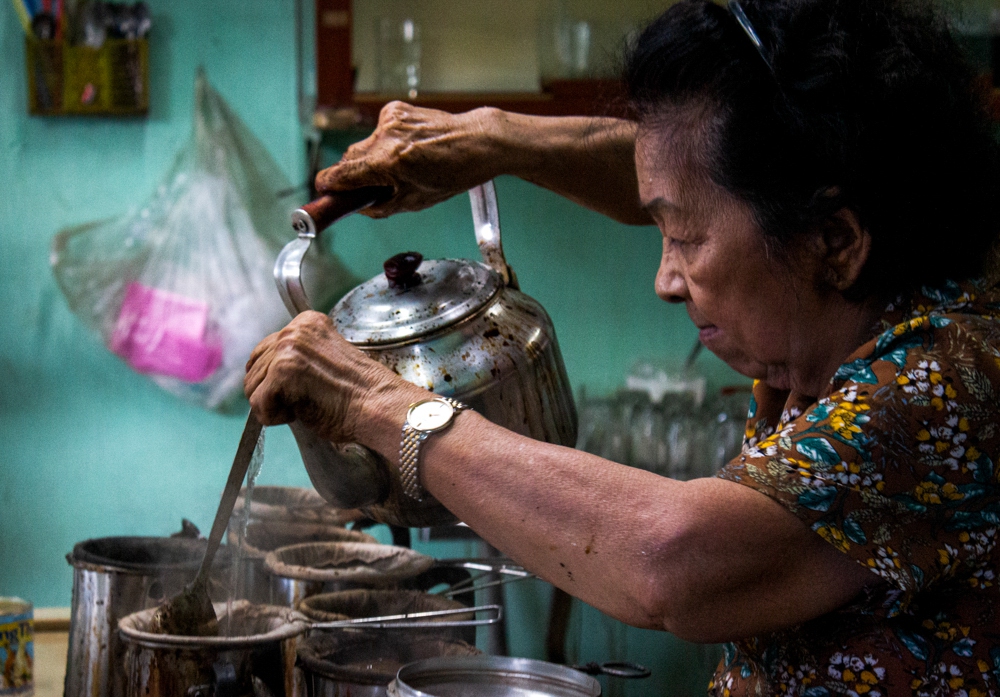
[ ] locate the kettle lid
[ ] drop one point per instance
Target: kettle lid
(414, 298)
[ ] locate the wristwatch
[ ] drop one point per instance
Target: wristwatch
(422, 419)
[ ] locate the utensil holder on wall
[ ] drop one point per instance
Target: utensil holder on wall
(64, 79)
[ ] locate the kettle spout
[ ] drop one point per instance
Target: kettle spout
(347, 475)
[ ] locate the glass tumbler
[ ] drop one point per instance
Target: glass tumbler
(399, 56)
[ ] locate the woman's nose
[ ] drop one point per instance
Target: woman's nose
(670, 283)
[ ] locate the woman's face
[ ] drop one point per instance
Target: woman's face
(753, 308)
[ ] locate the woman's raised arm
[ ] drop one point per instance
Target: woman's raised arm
(427, 156)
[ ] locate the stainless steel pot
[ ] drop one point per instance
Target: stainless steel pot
(355, 664)
(279, 516)
(490, 676)
(113, 577)
(458, 328)
(256, 658)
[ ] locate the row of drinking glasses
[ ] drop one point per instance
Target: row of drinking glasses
(675, 437)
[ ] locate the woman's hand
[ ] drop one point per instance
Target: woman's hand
(308, 371)
(425, 155)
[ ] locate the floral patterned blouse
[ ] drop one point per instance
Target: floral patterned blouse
(896, 466)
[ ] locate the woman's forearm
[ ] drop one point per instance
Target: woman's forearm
(587, 160)
(550, 508)
(708, 559)
(427, 156)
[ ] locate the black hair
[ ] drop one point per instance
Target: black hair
(863, 104)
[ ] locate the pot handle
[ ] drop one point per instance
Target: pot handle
(418, 620)
(309, 221)
(486, 219)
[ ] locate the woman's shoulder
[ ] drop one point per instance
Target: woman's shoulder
(953, 326)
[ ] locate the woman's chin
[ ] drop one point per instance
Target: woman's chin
(735, 358)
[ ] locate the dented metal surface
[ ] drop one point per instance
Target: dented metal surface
(505, 363)
(463, 330)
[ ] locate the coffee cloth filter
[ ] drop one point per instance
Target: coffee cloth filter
(354, 562)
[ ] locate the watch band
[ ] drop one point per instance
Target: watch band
(409, 451)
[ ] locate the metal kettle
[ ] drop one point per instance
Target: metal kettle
(458, 328)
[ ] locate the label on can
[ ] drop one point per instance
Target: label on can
(17, 649)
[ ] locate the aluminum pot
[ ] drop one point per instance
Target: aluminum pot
(490, 676)
(256, 658)
(458, 328)
(290, 504)
(300, 571)
(278, 516)
(114, 577)
(362, 664)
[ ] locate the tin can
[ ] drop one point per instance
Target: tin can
(17, 647)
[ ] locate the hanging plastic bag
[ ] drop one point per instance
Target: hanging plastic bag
(182, 290)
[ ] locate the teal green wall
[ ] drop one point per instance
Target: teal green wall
(88, 448)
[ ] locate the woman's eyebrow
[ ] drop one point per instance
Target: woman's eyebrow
(658, 203)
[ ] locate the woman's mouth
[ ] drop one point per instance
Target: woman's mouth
(706, 334)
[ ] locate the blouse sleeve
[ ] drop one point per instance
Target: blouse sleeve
(895, 468)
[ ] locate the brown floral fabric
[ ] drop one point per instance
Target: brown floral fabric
(895, 466)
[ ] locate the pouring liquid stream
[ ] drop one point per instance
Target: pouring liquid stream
(236, 580)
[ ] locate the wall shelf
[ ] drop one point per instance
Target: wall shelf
(340, 107)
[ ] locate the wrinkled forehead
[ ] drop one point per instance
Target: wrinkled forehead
(674, 153)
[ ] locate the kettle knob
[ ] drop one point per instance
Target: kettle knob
(401, 270)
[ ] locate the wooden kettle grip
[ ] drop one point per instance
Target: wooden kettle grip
(331, 207)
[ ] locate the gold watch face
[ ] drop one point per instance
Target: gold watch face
(432, 415)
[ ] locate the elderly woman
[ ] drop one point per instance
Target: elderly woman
(827, 190)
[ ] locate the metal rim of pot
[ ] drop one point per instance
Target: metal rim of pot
(292, 624)
(252, 546)
(536, 675)
(291, 504)
(82, 557)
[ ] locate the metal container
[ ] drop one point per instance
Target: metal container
(114, 577)
(491, 676)
(353, 664)
(458, 328)
(290, 504)
(17, 648)
(300, 571)
(266, 534)
(256, 656)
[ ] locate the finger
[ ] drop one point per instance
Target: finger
(355, 174)
(260, 349)
(256, 373)
(269, 405)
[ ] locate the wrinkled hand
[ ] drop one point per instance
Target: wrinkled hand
(308, 371)
(425, 155)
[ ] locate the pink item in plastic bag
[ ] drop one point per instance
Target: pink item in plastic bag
(163, 333)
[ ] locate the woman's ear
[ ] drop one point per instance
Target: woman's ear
(844, 247)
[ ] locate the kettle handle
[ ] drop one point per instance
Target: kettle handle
(309, 221)
(486, 219)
